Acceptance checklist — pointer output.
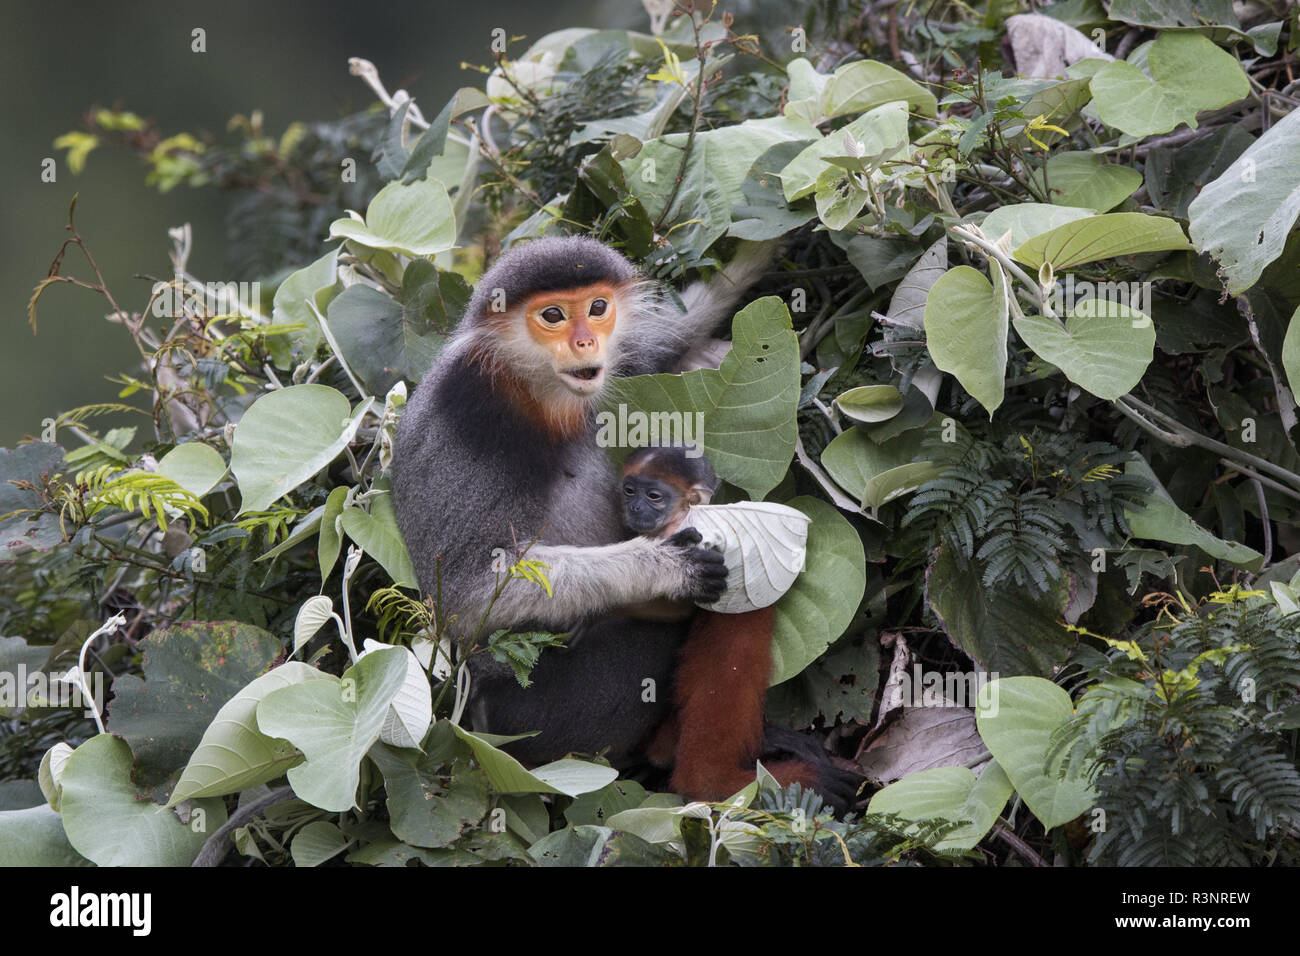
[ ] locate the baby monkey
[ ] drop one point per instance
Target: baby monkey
(714, 733)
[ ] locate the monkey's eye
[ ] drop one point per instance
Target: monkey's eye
(553, 315)
(598, 307)
(654, 495)
(629, 490)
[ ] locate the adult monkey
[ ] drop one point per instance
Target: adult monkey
(497, 448)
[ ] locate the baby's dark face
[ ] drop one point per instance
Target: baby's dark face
(649, 504)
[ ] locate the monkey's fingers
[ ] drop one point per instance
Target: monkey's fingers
(704, 572)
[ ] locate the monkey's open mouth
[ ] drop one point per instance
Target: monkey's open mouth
(585, 377)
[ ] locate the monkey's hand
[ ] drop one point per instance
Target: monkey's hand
(704, 572)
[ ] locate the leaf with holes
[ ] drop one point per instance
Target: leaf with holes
(748, 403)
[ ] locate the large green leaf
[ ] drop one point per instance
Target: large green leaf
(288, 435)
(1213, 17)
(1028, 219)
(882, 132)
(107, 821)
(310, 285)
(1188, 73)
(876, 472)
(507, 775)
(385, 339)
(1016, 717)
(190, 670)
(34, 837)
(334, 722)
(234, 754)
(966, 330)
(1101, 237)
(1087, 180)
(415, 220)
(748, 403)
(1006, 630)
(378, 535)
(1243, 218)
(1163, 520)
(194, 466)
(853, 88)
(427, 806)
(1104, 346)
(823, 599)
(949, 793)
(712, 178)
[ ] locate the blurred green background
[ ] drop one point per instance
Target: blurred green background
(287, 59)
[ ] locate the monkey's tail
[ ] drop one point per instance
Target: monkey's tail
(713, 301)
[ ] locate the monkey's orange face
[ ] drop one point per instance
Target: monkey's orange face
(573, 326)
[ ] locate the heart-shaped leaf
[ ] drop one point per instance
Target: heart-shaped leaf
(1189, 73)
(966, 330)
(234, 754)
(288, 435)
(949, 793)
(415, 220)
(1101, 237)
(334, 722)
(1104, 346)
(108, 823)
(1016, 717)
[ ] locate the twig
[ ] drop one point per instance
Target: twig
(1181, 431)
(695, 125)
(1021, 848)
(1285, 400)
(1264, 520)
(216, 847)
(1009, 265)
(833, 490)
(1266, 482)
